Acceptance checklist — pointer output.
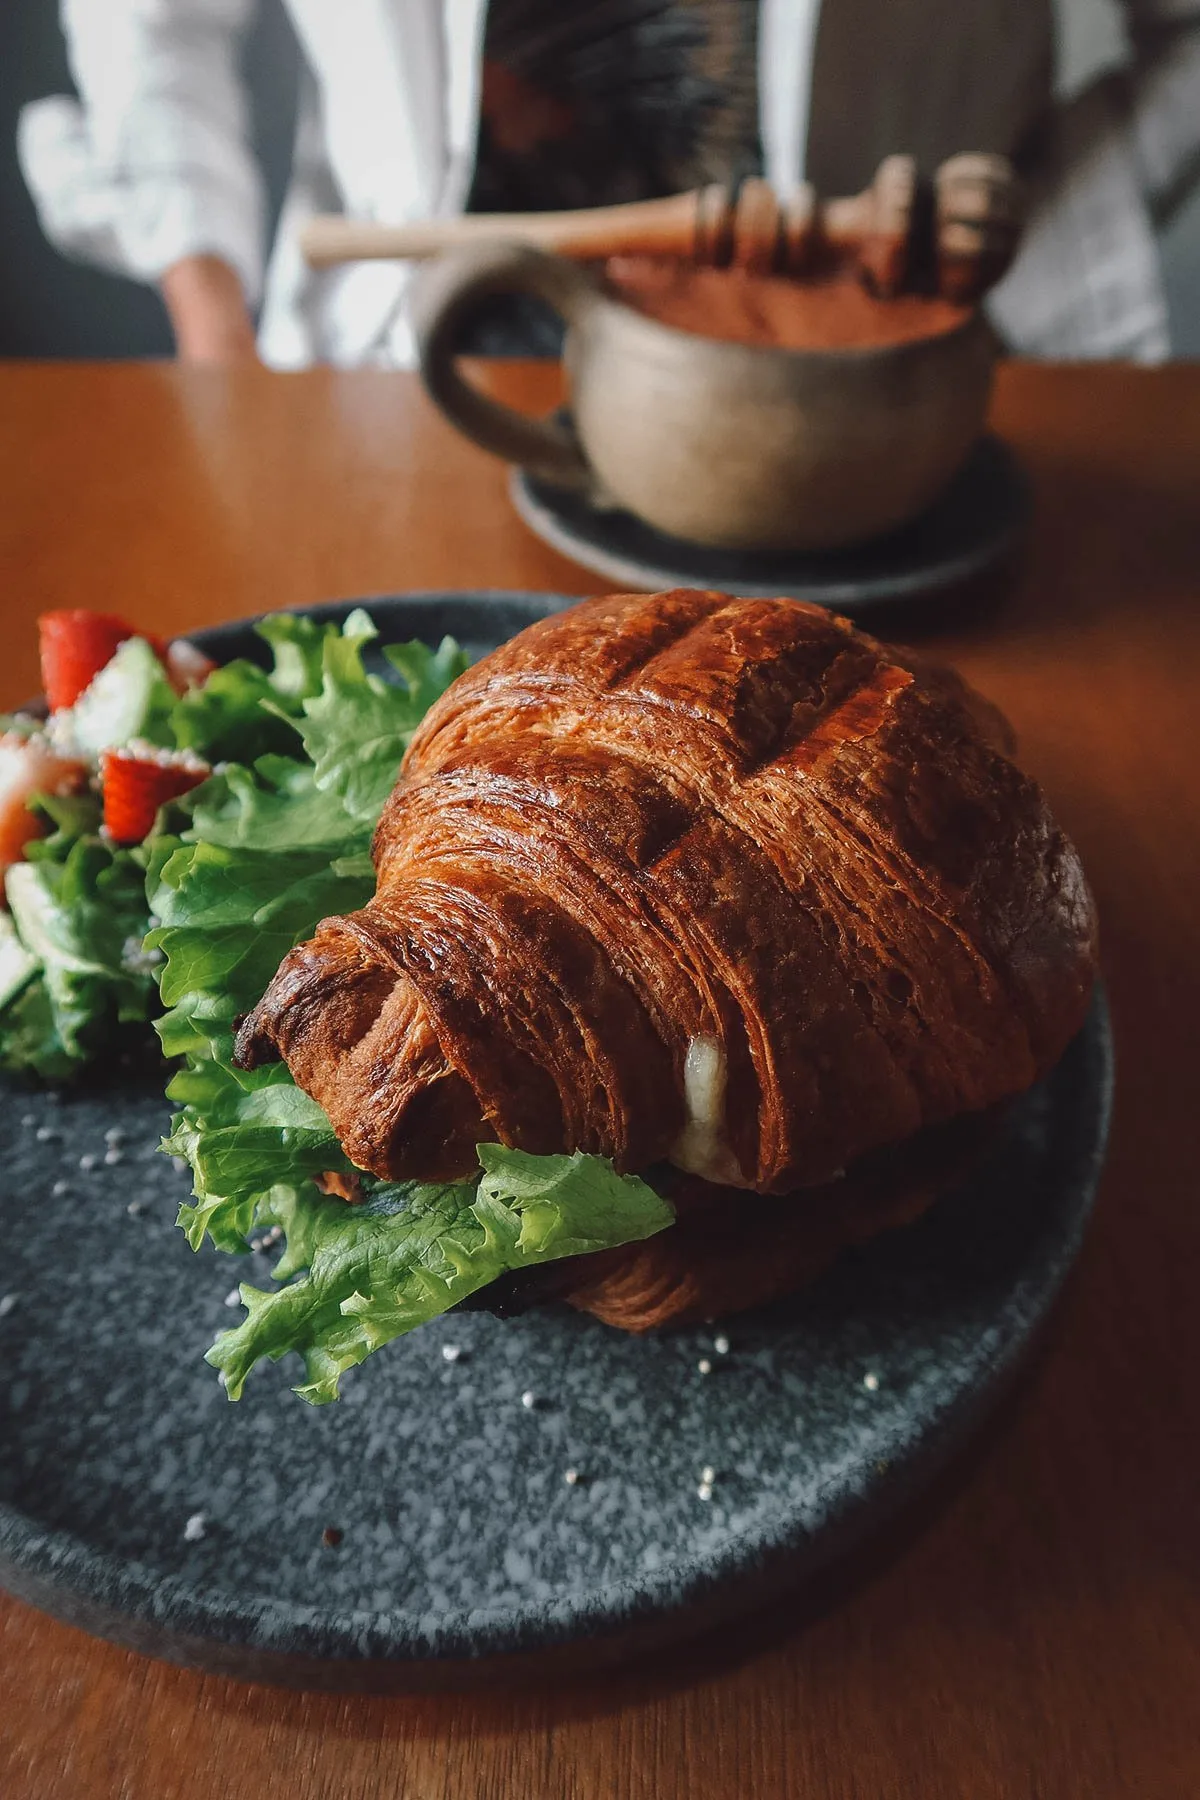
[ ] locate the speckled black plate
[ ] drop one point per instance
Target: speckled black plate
(465, 1552)
(973, 527)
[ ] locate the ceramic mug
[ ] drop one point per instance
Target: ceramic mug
(728, 444)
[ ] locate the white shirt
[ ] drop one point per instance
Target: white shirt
(153, 163)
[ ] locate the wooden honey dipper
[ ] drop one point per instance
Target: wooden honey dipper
(954, 237)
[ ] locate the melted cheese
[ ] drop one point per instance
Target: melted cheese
(700, 1148)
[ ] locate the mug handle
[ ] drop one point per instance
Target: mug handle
(445, 293)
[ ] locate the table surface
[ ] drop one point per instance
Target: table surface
(1033, 1627)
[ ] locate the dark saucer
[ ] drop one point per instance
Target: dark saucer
(977, 523)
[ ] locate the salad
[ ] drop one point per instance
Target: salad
(167, 833)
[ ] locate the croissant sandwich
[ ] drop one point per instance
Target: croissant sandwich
(721, 889)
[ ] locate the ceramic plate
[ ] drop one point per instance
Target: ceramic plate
(137, 1502)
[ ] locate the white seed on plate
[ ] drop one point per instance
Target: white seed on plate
(871, 1382)
(721, 1345)
(708, 1476)
(451, 1353)
(704, 1366)
(529, 1399)
(233, 1297)
(135, 1207)
(113, 1156)
(704, 1491)
(60, 1188)
(88, 1161)
(195, 1528)
(114, 1135)
(7, 1302)
(45, 1134)
(28, 1119)
(571, 1477)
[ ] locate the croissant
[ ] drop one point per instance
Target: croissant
(690, 879)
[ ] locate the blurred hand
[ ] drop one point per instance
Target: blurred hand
(208, 312)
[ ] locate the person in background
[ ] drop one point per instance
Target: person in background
(420, 108)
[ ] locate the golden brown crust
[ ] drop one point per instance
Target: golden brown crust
(657, 818)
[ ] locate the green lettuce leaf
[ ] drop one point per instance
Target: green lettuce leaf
(18, 965)
(298, 649)
(243, 712)
(226, 719)
(236, 1166)
(71, 816)
(230, 907)
(71, 967)
(357, 728)
(267, 853)
(29, 1040)
(410, 1252)
(229, 916)
(79, 912)
(275, 807)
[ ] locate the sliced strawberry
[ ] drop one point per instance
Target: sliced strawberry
(75, 645)
(29, 766)
(140, 779)
(18, 828)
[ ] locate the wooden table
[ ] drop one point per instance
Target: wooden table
(1033, 1630)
